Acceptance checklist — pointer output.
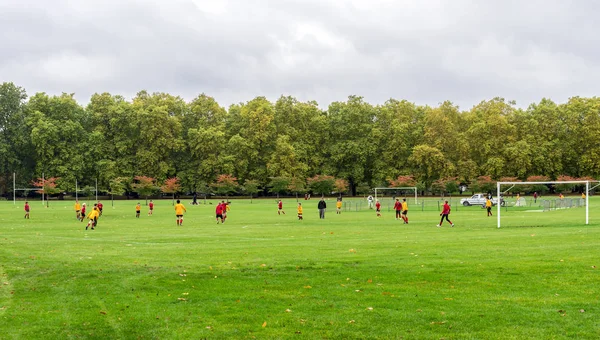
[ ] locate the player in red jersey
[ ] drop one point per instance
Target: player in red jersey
(100, 208)
(150, 208)
(398, 208)
(219, 213)
(27, 210)
(82, 212)
(280, 208)
(378, 208)
(445, 212)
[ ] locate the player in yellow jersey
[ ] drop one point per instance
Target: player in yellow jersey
(138, 208)
(179, 210)
(488, 206)
(92, 218)
(583, 195)
(78, 210)
(299, 211)
(405, 211)
(338, 206)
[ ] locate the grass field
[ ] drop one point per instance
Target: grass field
(261, 275)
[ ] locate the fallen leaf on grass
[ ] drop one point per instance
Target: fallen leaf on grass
(370, 281)
(369, 308)
(208, 327)
(386, 293)
(264, 324)
(307, 287)
(288, 310)
(438, 322)
(358, 290)
(532, 235)
(181, 299)
(185, 293)
(351, 321)
(302, 321)
(448, 299)
(561, 311)
(562, 260)
(352, 250)
(263, 265)
(594, 267)
(103, 312)
(582, 311)
(298, 332)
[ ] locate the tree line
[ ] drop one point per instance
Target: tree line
(289, 145)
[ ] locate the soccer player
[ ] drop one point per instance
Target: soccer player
(219, 213)
(370, 201)
(138, 208)
(150, 208)
(445, 212)
(583, 195)
(96, 215)
(280, 208)
(398, 208)
(92, 219)
(224, 209)
(322, 206)
(78, 210)
(100, 208)
(488, 206)
(338, 206)
(535, 196)
(27, 210)
(405, 211)
(179, 210)
(299, 211)
(82, 216)
(378, 208)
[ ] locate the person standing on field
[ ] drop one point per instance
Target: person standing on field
(405, 211)
(280, 208)
(78, 210)
(535, 196)
(299, 210)
(82, 215)
(488, 206)
(100, 206)
(138, 208)
(179, 210)
(445, 212)
(27, 210)
(338, 206)
(150, 208)
(370, 201)
(219, 213)
(378, 208)
(398, 208)
(322, 206)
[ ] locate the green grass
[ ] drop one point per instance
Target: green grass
(268, 276)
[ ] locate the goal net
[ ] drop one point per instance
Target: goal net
(535, 203)
(393, 193)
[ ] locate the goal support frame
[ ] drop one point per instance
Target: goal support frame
(399, 188)
(587, 194)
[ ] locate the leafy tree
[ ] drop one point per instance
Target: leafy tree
(279, 185)
(297, 185)
(117, 186)
(171, 186)
(403, 181)
(144, 186)
(225, 184)
(429, 163)
(321, 184)
(539, 188)
(565, 187)
(251, 187)
(340, 186)
(48, 187)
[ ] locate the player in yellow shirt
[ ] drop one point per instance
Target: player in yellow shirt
(138, 208)
(488, 206)
(405, 211)
(179, 210)
(338, 206)
(92, 218)
(78, 210)
(583, 195)
(299, 211)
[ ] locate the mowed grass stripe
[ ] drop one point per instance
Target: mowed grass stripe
(348, 276)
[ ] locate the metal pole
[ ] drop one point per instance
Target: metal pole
(14, 188)
(498, 204)
(96, 190)
(76, 197)
(416, 201)
(587, 201)
(43, 180)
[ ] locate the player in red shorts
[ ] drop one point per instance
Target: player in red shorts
(27, 210)
(378, 208)
(280, 208)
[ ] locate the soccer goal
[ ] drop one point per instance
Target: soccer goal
(584, 202)
(26, 190)
(396, 190)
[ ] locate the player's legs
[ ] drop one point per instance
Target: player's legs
(405, 216)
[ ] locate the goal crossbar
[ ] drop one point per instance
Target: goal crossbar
(587, 194)
(399, 188)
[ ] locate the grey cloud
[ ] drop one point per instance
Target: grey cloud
(423, 51)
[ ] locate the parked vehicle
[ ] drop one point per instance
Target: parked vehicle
(479, 199)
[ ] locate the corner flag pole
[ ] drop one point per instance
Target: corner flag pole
(498, 204)
(587, 202)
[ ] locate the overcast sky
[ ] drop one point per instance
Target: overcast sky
(425, 51)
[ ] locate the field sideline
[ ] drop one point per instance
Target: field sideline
(261, 275)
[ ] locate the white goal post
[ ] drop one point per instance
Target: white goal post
(587, 193)
(400, 188)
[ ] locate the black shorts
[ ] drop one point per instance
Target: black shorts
(378, 210)
(179, 216)
(137, 211)
(404, 212)
(76, 211)
(219, 215)
(489, 209)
